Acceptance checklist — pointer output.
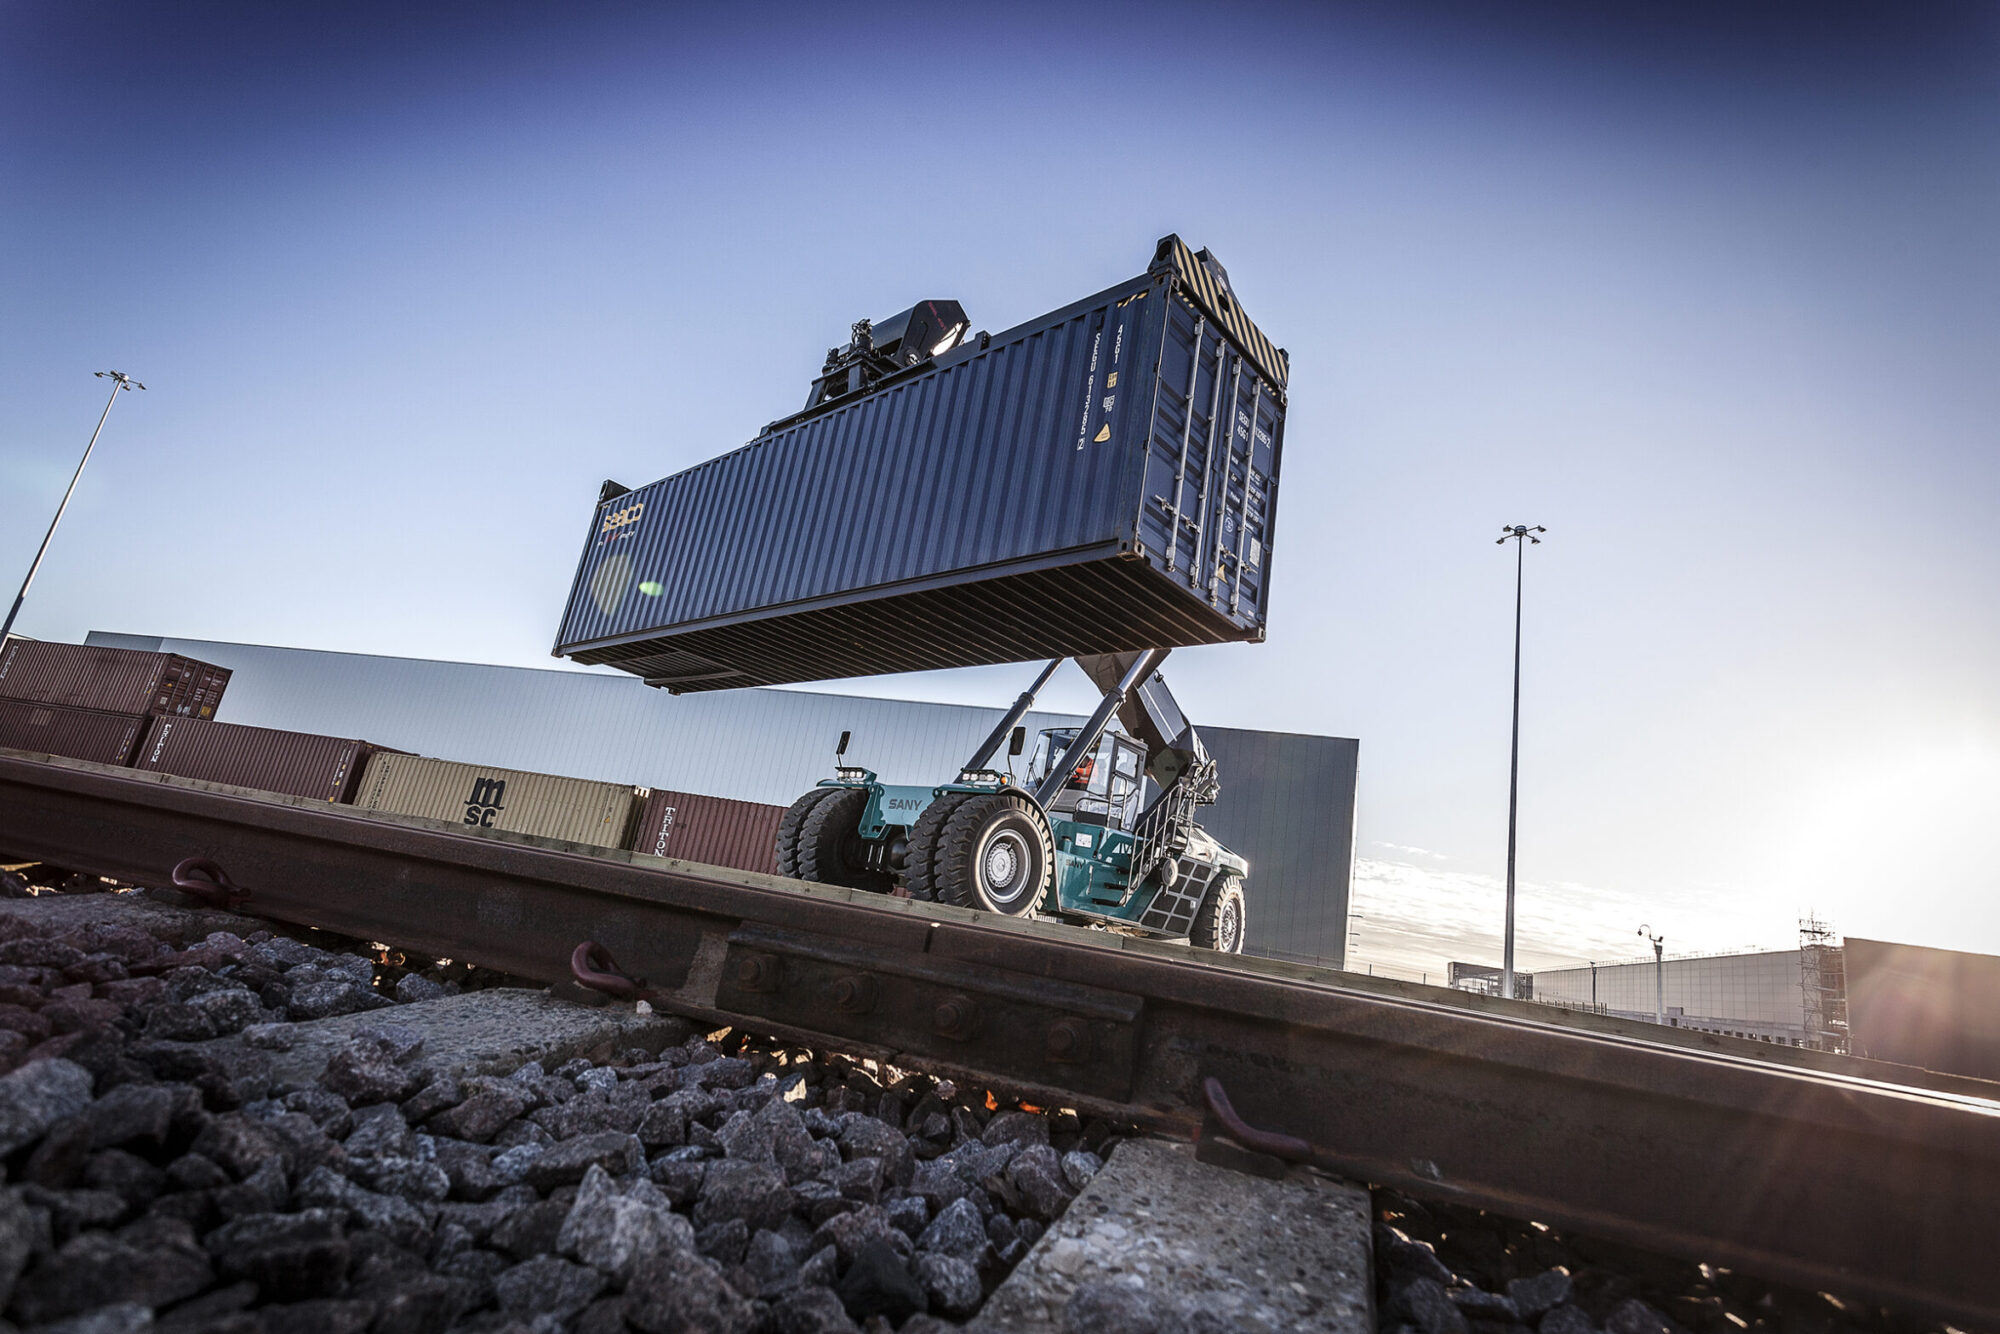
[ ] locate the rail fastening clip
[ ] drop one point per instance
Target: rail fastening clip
(199, 878)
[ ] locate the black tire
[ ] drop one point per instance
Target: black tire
(789, 827)
(995, 854)
(831, 850)
(1224, 918)
(920, 863)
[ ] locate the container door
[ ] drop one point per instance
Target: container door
(1211, 469)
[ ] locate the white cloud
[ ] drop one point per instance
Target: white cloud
(1415, 852)
(1411, 920)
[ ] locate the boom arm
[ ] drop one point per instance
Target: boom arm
(991, 746)
(1150, 714)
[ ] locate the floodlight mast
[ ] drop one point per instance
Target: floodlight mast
(1514, 533)
(1659, 973)
(120, 381)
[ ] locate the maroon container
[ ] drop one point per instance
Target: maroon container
(79, 734)
(114, 680)
(299, 764)
(715, 831)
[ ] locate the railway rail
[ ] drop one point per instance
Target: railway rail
(1864, 1180)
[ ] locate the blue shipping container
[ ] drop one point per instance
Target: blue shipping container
(1099, 480)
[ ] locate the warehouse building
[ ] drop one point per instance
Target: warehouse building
(1939, 1009)
(1760, 996)
(1287, 799)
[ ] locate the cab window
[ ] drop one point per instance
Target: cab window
(1107, 783)
(1126, 779)
(1049, 748)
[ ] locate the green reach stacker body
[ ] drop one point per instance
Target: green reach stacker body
(1072, 841)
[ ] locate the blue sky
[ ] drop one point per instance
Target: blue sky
(1710, 291)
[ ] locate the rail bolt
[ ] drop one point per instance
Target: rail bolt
(758, 972)
(955, 1017)
(853, 993)
(1068, 1041)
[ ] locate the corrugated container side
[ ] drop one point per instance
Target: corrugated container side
(1102, 479)
(577, 810)
(114, 680)
(715, 831)
(300, 764)
(77, 734)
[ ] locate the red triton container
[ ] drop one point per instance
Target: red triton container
(298, 764)
(114, 680)
(715, 831)
(78, 734)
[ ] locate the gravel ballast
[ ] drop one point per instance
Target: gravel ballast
(1445, 1269)
(167, 1167)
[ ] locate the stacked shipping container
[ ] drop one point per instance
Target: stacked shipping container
(575, 810)
(89, 703)
(714, 831)
(148, 711)
(77, 734)
(112, 680)
(299, 764)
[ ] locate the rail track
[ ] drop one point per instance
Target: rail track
(1871, 1181)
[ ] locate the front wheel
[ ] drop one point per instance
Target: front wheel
(920, 865)
(1221, 922)
(831, 849)
(793, 823)
(995, 854)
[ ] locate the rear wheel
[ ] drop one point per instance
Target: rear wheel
(1221, 922)
(920, 865)
(995, 854)
(831, 849)
(791, 824)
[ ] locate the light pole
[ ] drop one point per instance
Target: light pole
(119, 381)
(1659, 975)
(1514, 533)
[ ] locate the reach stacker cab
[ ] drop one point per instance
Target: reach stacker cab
(1076, 838)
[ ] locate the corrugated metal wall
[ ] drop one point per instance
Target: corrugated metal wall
(1287, 799)
(1939, 1009)
(1288, 805)
(1760, 988)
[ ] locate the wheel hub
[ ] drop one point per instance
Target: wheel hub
(1004, 865)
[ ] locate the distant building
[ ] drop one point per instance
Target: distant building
(1484, 979)
(1939, 1009)
(1760, 996)
(1287, 799)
